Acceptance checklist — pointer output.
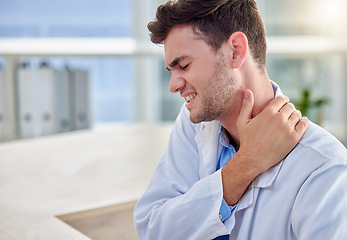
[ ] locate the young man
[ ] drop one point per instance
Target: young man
(233, 168)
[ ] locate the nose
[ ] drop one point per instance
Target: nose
(177, 83)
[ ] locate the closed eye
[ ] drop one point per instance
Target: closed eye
(184, 67)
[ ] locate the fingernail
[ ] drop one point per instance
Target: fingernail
(246, 95)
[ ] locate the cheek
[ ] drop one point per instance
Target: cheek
(203, 76)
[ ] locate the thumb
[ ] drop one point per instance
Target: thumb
(246, 107)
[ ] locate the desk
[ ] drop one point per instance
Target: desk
(56, 175)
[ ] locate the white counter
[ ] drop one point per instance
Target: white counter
(49, 176)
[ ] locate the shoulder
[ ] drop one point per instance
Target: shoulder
(319, 170)
(320, 142)
(317, 152)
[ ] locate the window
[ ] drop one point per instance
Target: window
(111, 77)
(306, 49)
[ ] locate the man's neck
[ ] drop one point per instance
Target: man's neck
(263, 93)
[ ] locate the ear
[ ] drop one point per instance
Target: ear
(239, 45)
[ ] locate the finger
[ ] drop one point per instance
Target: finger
(302, 126)
(246, 107)
(277, 103)
(287, 110)
(295, 117)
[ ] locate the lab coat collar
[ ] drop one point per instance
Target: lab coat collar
(208, 144)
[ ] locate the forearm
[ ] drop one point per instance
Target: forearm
(236, 177)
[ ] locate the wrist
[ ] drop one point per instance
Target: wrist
(237, 174)
(248, 164)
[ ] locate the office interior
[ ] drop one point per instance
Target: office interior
(82, 182)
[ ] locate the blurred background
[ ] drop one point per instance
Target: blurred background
(126, 80)
(86, 114)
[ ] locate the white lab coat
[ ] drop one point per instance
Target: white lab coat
(185, 187)
(302, 197)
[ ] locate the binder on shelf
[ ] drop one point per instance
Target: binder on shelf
(7, 107)
(51, 101)
(26, 112)
(46, 99)
(62, 100)
(2, 104)
(80, 99)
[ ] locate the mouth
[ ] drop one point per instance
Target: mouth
(190, 97)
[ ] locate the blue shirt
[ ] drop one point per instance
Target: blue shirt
(227, 153)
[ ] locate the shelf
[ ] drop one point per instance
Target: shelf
(77, 47)
(284, 46)
(304, 46)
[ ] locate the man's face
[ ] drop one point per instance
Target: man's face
(199, 74)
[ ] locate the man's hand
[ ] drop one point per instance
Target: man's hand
(265, 140)
(272, 134)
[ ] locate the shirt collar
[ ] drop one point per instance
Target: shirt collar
(223, 137)
(276, 89)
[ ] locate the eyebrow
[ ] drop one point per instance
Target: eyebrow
(175, 62)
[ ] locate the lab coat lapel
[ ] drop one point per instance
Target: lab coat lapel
(208, 144)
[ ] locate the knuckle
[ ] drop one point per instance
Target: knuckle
(284, 99)
(295, 116)
(298, 113)
(291, 105)
(303, 124)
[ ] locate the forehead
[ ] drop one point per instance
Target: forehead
(183, 42)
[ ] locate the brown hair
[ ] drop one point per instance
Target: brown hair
(214, 21)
